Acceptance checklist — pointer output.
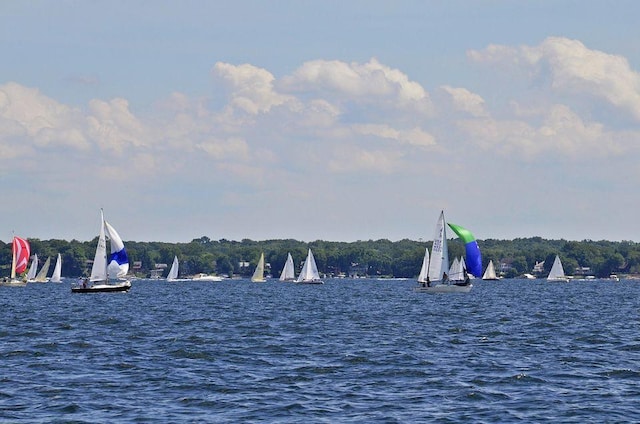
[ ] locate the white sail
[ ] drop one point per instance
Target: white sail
(119, 262)
(258, 274)
(309, 271)
(490, 272)
(439, 261)
(41, 277)
(33, 269)
(424, 271)
(57, 271)
(557, 271)
(173, 272)
(99, 268)
(288, 272)
(455, 270)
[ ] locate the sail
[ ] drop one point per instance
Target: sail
(490, 272)
(33, 269)
(118, 259)
(99, 268)
(455, 270)
(439, 261)
(288, 272)
(422, 277)
(57, 271)
(21, 253)
(309, 269)
(472, 251)
(42, 274)
(557, 271)
(258, 274)
(173, 272)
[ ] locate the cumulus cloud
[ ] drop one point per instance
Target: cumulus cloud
(572, 69)
(358, 82)
(465, 101)
(251, 87)
(415, 136)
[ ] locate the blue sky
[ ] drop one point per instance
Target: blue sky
(320, 120)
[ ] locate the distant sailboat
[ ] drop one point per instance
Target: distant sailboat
(258, 274)
(115, 266)
(56, 277)
(490, 272)
(41, 277)
(33, 269)
(424, 270)
(288, 272)
(21, 251)
(173, 272)
(557, 272)
(439, 281)
(309, 273)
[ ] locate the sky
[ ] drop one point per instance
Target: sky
(319, 120)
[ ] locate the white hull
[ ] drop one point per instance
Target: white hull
(203, 277)
(102, 288)
(14, 283)
(444, 288)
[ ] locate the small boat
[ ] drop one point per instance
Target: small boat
(41, 276)
(115, 266)
(21, 251)
(490, 272)
(206, 277)
(614, 277)
(258, 274)
(309, 273)
(56, 277)
(173, 272)
(33, 269)
(288, 272)
(557, 272)
(438, 280)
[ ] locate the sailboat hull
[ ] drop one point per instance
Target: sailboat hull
(103, 288)
(14, 283)
(445, 288)
(310, 282)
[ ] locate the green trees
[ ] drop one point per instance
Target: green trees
(382, 258)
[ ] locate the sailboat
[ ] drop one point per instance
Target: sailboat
(56, 277)
(424, 270)
(557, 272)
(258, 274)
(490, 272)
(33, 269)
(115, 266)
(288, 272)
(41, 277)
(309, 273)
(21, 251)
(438, 280)
(173, 272)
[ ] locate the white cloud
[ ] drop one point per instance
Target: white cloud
(251, 87)
(414, 137)
(466, 101)
(573, 69)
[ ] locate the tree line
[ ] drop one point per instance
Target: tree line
(374, 258)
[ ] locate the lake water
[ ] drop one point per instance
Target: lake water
(347, 351)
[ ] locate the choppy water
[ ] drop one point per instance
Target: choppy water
(347, 351)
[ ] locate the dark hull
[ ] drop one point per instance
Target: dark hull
(102, 288)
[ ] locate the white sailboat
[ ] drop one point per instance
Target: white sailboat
(424, 270)
(41, 277)
(557, 272)
(173, 272)
(490, 272)
(258, 274)
(438, 280)
(21, 251)
(56, 277)
(33, 269)
(116, 266)
(309, 273)
(288, 272)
